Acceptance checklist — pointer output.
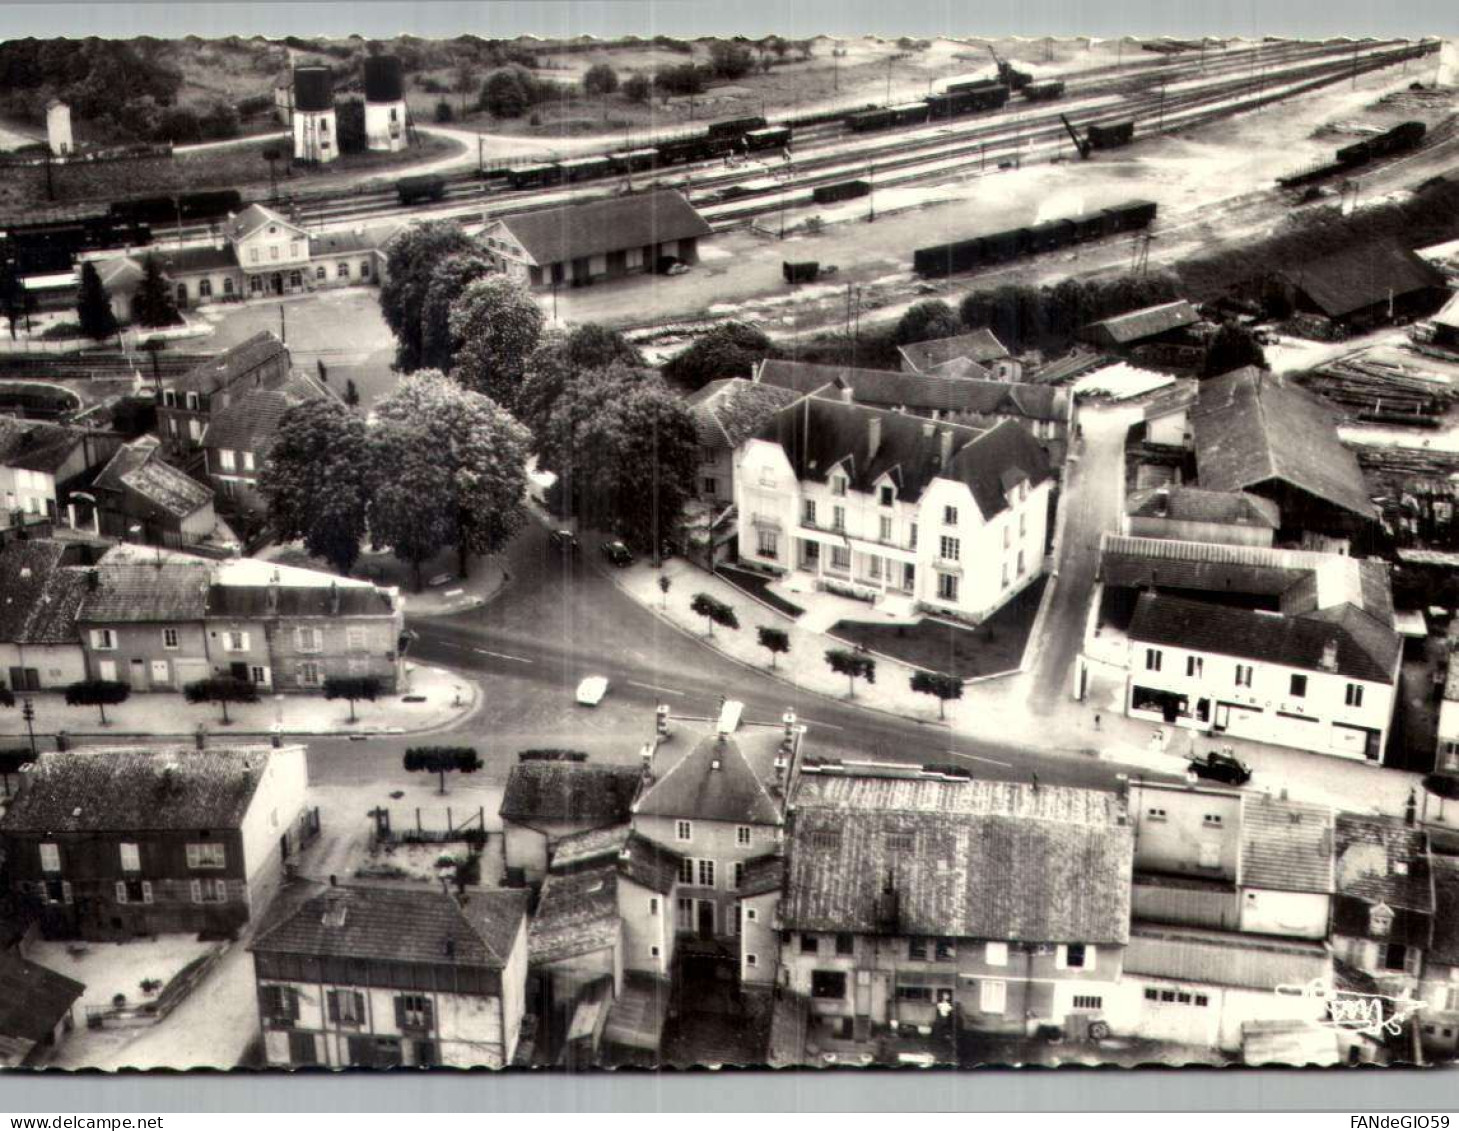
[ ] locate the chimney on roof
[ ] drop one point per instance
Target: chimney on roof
(93, 580)
(928, 427)
(1328, 663)
(847, 393)
(1162, 502)
(717, 762)
(944, 450)
(1410, 810)
(873, 438)
(334, 598)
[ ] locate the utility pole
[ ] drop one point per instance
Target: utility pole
(870, 194)
(27, 712)
(50, 184)
(283, 328)
(1161, 127)
(889, 81)
(654, 497)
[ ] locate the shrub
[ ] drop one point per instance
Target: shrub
(730, 60)
(637, 88)
(444, 113)
(681, 80)
(601, 79)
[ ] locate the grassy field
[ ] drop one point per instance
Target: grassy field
(239, 166)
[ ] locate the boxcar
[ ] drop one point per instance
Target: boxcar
(800, 272)
(534, 176)
(971, 84)
(634, 160)
(870, 120)
(695, 149)
(1046, 237)
(777, 137)
(585, 168)
(1044, 91)
(736, 127)
(412, 190)
(1131, 216)
(845, 190)
(909, 113)
(1112, 136)
(1087, 226)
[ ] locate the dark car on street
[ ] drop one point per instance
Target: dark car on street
(564, 540)
(616, 553)
(1221, 768)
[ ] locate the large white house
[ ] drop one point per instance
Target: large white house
(879, 504)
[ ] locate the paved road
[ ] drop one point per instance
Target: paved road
(558, 621)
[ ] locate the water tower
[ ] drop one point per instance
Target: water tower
(384, 103)
(58, 128)
(315, 127)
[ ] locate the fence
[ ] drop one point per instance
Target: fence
(142, 1014)
(428, 827)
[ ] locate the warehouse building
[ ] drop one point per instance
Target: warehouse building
(1365, 286)
(578, 244)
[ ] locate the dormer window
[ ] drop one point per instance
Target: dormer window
(838, 485)
(886, 496)
(1380, 919)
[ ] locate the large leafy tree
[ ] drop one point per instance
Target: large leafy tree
(410, 268)
(926, 321)
(495, 326)
(559, 358)
(625, 449)
(482, 451)
(410, 492)
(731, 349)
(315, 480)
(451, 277)
(1232, 347)
(153, 305)
(93, 305)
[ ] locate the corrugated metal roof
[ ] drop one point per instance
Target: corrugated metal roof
(1221, 958)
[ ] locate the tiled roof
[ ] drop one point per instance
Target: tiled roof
(33, 999)
(1362, 276)
(1285, 846)
(966, 859)
(574, 231)
(138, 467)
(105, 789)
(721, 778)
(649, 865)
(1064, 369)
(576, 914)
(1448, 314)
(37, 445)
(1220, 958)
(174, 589)
(392, 924)
(1136, 325)
(39, 596)
(251, 422)
(348, 243)
(817, 435)
(762, 874)
(638, 859)
(570, 852)
(254, 217)
(1366, 649)
(193, 260)
(569, 791)
(979, 346)
(1445, 945)
(729, 411)
(244, 602)
(1253, 427)
(1369, 848)
(221, 371)
(917, 392)
(1195, 504)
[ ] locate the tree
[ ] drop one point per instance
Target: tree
(444, 113)
(1232, 347)
(410, 269)
(600, 79)
(221, 690)
(15, 300)
(714, 611)
(509, 92)
(557, 359)
(776, 641)
(315, 480)
(926, 321)
(349, 129)
(945, 687)
(442, 760)
(731, 349)
(448, 280)
(482, 451)
(7, 697)
(98, 693)
(351, 393)
(637, 88)
(495, 326)
(93, 305)
(410, 508)
(353, 688)
(665, 584)
(153, 305)
(624, 449)
(852, 664)
(730, 60)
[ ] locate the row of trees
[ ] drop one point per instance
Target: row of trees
(443, 467)
(104, 693)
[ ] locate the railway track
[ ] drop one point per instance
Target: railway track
(1024, 130)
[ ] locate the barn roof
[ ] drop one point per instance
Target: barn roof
(33, 999)
(1197, 504)
(138, 467)
(575, 231)
(227, 367)
(1147, 322)
(980, 346)
(1220, 958)
(1359, 277)
(577, 914)
(569, 791)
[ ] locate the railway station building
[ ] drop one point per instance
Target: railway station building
(579, 244)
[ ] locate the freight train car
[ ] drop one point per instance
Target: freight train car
(534, 176)
(1044, 91)
(52, 247)
(1399, 139)
(697, 148)
(955, 103)
(1000, 247)
(776, 137)
(189, 207)
(844, 190)
(907, 114)
(1112, 136)
(736, 127)
(414, 190)
(585, 168)
(634, 160)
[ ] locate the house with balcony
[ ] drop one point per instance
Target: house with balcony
(1383, 910)
(238, 437)
(1319, 673)
(946, 518)
(114, 842)
(386, 977)
(190, 399)
(912, 896)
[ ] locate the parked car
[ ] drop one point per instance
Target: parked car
(1222, 768)
(591, 691)
(617, 554)
(564, 540)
